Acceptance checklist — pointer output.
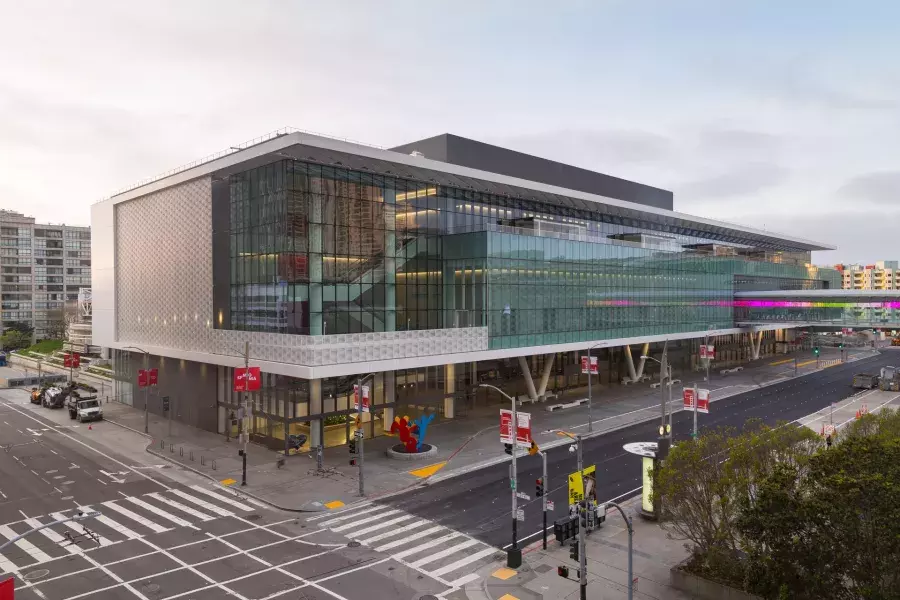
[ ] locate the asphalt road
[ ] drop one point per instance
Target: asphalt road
(479, 504)
(162, 536)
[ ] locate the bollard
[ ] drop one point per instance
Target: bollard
(214, 464)
(181, 451)
(192, 456)
(172, 448)
(162, 444)
(202, 461)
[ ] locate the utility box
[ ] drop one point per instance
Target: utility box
(565, 529)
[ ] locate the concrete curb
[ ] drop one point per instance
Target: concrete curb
(131, 429)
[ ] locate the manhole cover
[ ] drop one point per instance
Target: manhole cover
(427, 597)
(36, 574)
(354, 545)
(543, 568)
(253, 517)
(150, 588)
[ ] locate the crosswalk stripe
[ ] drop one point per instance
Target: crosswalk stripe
(203, 503)
(399, 519)
(180, 506)
(400, 542)
(393, 532)
(353, 524)
(158, 511)
(54, 537)
(464, 580)
(222, 498)
(135, 517)
(35, 552)
(463, 562)
(444, 553)
(7, 566)
(79, 528)
(346, 511)
(351, 514)
(112, 524)
(427, 545)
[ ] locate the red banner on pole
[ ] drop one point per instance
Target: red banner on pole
(703, 401)
(152, 377)
(523, 431)
(76, 360)
(247, 380)
(688, 395)
(365, 395)
(143, 378)
(584, 365)
(7, 589)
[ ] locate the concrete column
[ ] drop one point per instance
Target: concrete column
(529, 382)
(316, 245)
(545, 376)
(645, 351)
(629, 362)
(755, 343)
(315, 408)
(449, 388)
(389, 397)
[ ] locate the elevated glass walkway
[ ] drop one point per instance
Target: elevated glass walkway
(825, 308)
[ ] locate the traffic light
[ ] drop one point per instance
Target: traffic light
(562, 571)
(816, 350)
(539, 487)
(573, 550)
(507, 448)
(533, 449)
(582, 515)
(352, 445)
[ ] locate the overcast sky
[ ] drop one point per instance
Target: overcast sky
(783, 115)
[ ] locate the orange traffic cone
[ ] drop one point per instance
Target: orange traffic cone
(857, 414)
(90, 426)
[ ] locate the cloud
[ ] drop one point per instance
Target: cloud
(882, 187)
(740, 181)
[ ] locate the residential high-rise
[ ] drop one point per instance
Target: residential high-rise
(883, 275)
(42, 267)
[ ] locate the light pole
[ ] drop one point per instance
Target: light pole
(665, 429)
(359, 433)
(582, 558)
(630, 525)
(146, 388)
(590, 365)
(514, 554)
(79, 516)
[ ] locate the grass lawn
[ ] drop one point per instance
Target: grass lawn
(45, 347)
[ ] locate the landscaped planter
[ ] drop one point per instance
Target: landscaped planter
(706, 589)
(398, 452)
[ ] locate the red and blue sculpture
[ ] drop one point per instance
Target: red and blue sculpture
(411, 433)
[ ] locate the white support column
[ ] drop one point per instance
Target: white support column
(545, 375)
(640, 368)
(449, 388)
(629, 362)
(755, 343)
(315, 408)
(389, 397)
(529, 382)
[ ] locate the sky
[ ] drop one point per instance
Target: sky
(777, 115)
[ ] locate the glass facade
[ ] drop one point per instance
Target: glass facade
(316, 249)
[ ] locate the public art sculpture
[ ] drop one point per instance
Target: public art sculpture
(412, 433)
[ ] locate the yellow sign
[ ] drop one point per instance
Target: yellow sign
(533, 449)
(576, 492)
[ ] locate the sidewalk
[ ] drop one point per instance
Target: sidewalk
(298, 486)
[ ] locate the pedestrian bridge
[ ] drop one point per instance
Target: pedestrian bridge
(859, 309)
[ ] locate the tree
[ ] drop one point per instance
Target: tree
(20, 326)
(56, 324)
(13, 339)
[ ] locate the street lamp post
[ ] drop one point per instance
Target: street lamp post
(590, 400)
(146, 388)
(359, 433)
(664, 371)
(514, 554)
(582, 558)
(630, 525)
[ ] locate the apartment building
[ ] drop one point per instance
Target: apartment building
(42, 267)
(883, 275)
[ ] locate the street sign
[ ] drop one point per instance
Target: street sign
(703, 401)
(7, 589)
(523, 496)
(246, 380)
(550, 505)
(143, 378)
(152, 377)
(520, 514)
(523, 430)
(165, 404)
(365, 394)
(584, 365)
(829, 429)
(688, 395)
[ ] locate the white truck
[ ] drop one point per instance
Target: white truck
(85, 409)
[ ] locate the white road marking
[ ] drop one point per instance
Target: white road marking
(7, 566)
(222, 498)
(393, 532)
(464, 580)
(345, 514)
(203, 503)
(181, 507)
(158, 511)
(135, 517)
(388, 523)
(400, 542)
(427, 545)
(464, 561)
(54, 537)
(445, 552)
(353, 524)
(112, 524)
(36, 553)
